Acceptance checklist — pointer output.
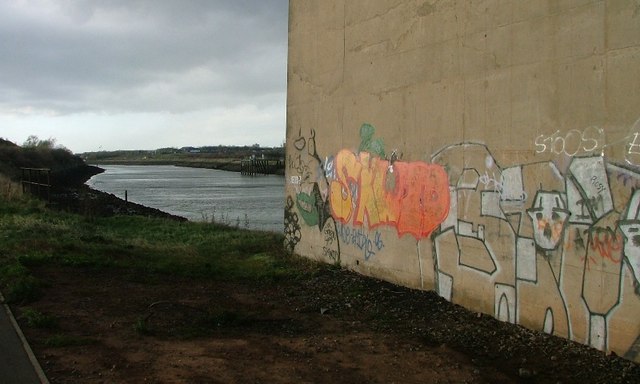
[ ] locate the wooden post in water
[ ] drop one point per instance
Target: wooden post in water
(252, 167)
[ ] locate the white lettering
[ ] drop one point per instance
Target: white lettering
(573, 142)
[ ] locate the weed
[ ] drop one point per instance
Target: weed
(37, 319)
(13, 271)
(23, 290)
(9, 190)
(61, 341)
(141, 327)
(225, 318)
(18, 284)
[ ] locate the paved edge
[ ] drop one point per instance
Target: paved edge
(25, 343)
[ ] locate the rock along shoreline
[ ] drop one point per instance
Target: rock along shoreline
(70, 193)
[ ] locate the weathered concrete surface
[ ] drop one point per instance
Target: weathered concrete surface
(488, 150)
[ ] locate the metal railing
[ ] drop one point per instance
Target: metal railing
(37, 181)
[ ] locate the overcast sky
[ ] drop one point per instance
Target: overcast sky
(143, 74)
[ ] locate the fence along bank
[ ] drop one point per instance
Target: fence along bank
(488, 153)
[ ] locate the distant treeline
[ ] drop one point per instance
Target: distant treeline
(187, 153)
(228, 158)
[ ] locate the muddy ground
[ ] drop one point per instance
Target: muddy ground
(328, 326)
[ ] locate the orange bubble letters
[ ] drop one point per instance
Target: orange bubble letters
(413, 197)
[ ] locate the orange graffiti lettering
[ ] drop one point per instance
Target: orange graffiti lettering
(340, 194)
(607, 244)
(412, 197)
(373, 200)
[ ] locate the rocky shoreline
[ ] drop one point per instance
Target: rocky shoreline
(70, 193)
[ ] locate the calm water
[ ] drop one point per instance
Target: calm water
(199, 194)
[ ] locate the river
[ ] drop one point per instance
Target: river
(255, 202)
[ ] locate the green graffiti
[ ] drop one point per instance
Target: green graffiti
(308, 208)
(368, 143)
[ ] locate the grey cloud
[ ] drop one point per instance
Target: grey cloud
(122, 55)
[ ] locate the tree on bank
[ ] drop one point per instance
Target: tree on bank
(37, 153)
(34, 142)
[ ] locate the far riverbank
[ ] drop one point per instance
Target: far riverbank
(231, 165)
(219, 157)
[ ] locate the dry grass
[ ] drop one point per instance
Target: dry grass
(9, 189)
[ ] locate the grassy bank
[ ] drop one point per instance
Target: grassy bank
(136, 241)
(32, 235)
(233, 165)
(222, 158)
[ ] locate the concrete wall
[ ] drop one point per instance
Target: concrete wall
(487, 150)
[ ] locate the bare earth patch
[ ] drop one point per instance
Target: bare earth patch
(331, 326)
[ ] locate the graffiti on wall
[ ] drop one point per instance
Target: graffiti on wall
(572, 142)
(565, 246)
(311, 196)
(368, 243)
(554, 247)
(590, 141)
(292, 234)
(369, 190)
(347, 195)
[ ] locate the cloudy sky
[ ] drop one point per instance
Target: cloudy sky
(143, 74)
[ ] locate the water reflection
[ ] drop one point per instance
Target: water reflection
(199, 194)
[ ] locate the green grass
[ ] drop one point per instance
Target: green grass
(62, 340)
(141, 327)
(32, 236)
(37, 319)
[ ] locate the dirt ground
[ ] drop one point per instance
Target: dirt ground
(332, 326)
